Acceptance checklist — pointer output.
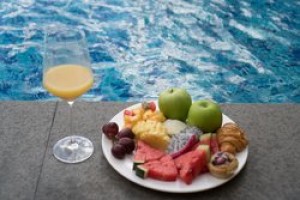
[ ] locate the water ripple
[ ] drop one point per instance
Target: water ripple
(222, 49)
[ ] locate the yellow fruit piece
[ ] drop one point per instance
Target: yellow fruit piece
(154, 116)
(140, 114)
(130, 121)
(158, 141)
(153, 133)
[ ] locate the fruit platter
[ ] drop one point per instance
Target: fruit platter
(175, 145)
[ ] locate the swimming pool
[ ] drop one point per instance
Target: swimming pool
(228, 50)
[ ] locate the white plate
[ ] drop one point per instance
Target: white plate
(201, 183)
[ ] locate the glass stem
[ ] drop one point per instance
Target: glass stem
(71, 120)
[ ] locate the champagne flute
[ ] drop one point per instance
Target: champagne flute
(67, 74)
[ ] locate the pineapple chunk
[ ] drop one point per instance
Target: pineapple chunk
(140, 114)
(153, 133)
(154, 116)
(130, 121)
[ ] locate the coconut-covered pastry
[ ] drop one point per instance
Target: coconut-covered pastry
(223, 164)
(231, 138)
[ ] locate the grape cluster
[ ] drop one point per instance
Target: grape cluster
(110, 129)
(123, 140)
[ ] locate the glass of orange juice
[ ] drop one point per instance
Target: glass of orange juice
(67, 74)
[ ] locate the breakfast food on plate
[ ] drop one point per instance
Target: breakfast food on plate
(149, 106)
(147, 111)
(162, 169)
(128, 143)
(175, 103)
(210, 139)
(181, 140)
(123, 140)
(191, 164)
(110, 129)
(231, 138)
(174, 126)
(122, 147)
(145, 153)
(184, 141)
(206, 115)
(131, 117)
(223, 164)
(214, 145)
(206, 149)
(125, 132)
(152, 163)
(154, 116)
(153, 133)
(205, 138)
(118, 151)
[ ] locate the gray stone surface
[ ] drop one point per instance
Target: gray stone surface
(24, 131)
(29, 170)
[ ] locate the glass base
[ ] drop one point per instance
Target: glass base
(73, 149)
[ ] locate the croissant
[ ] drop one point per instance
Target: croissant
(231, 138)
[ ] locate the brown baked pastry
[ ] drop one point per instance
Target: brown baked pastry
(223, 164)
(231, 138)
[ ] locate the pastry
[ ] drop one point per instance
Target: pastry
(223, 164)
(231, 138)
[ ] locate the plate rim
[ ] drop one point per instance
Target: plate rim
(112, 161)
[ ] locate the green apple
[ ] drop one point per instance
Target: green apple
(175, 103)
(206, 115)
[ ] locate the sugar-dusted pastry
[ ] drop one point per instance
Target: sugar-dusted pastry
(223, 164)
(231, 138)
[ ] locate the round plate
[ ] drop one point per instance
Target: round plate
(201, 183)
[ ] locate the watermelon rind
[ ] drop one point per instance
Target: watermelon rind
(136, 163)
(206, 149)
(141, 171)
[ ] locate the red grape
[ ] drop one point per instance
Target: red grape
(149, 105)
(110, 129)
(128, 144)
(118, 151)
(125, 133)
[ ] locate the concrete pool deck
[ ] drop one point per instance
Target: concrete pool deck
(28, 170)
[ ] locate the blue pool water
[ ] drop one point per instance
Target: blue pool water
(228, 50)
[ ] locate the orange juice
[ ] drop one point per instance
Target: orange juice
(68, 81)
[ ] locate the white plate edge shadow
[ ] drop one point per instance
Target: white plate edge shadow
(201, 183)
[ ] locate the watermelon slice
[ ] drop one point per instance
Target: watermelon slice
(145, 153)
(191, 164)
(206, 149)
(163, 169)
(205, 138)
(214, 146)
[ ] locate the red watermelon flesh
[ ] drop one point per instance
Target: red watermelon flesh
(206, 149)
(190, 165)
(145, 153)
(214, 146)
(205, 138)
(163, 169)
